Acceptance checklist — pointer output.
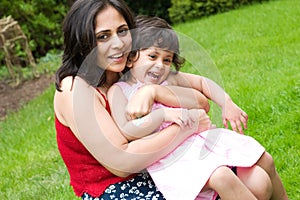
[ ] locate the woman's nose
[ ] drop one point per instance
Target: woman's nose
(117, 42)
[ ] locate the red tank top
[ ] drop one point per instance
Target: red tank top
(86, 173)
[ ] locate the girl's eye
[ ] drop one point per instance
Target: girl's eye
(168, 60)
(152, 56)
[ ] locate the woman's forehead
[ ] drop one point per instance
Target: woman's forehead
(109, 19)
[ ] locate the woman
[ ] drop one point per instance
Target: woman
(96, 154)
(101, 162)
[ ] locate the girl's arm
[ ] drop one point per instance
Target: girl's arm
(143, 126)
(230, 111)
(174, 96)
(83, 110)
(136, 128)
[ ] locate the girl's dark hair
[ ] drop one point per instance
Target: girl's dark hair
(155, 31)
(80, 39)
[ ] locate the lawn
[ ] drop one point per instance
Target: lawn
(253, 52)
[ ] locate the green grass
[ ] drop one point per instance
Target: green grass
(30, 163)
(254, 55)
(31, 167)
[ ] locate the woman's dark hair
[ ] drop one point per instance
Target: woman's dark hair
(80, 39)
(155, 31)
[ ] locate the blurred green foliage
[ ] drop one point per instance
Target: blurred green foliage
(40, 21)
(185, 10)
(151, 8)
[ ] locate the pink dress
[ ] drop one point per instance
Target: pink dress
(183, 173)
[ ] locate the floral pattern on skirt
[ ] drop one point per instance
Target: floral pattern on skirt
(141, 187)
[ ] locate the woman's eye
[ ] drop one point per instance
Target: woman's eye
(123, 32)
(102, 37)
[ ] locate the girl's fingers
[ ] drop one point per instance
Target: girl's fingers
(239, 126)
(244, 121)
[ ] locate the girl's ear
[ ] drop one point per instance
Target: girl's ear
(129, 62)
(132, 57)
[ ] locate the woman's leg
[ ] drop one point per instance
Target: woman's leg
(256, 180)
(267, 163)
(228, 185)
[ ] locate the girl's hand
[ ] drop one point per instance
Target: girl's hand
(235, 115)
(141, 102)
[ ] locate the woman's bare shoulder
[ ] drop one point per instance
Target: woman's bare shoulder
(71, 88)
(62, 99)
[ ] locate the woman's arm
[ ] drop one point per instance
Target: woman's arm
(82, 109)
(230, 111)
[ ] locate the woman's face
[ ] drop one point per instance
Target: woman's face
(113, 40)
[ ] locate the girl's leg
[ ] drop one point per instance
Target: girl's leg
(228, 185)
(267, 163)
(256, 180)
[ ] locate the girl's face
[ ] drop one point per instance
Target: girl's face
(153, 65)
(113, 40)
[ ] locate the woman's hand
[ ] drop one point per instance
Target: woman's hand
(201, 120)
(196, 119)
(235, 115)
(179, 116)
(193, 118)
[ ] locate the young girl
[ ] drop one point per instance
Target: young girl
(190, 167)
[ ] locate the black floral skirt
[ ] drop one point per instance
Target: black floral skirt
(139, 187)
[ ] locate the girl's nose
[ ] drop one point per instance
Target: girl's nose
(159, 64)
